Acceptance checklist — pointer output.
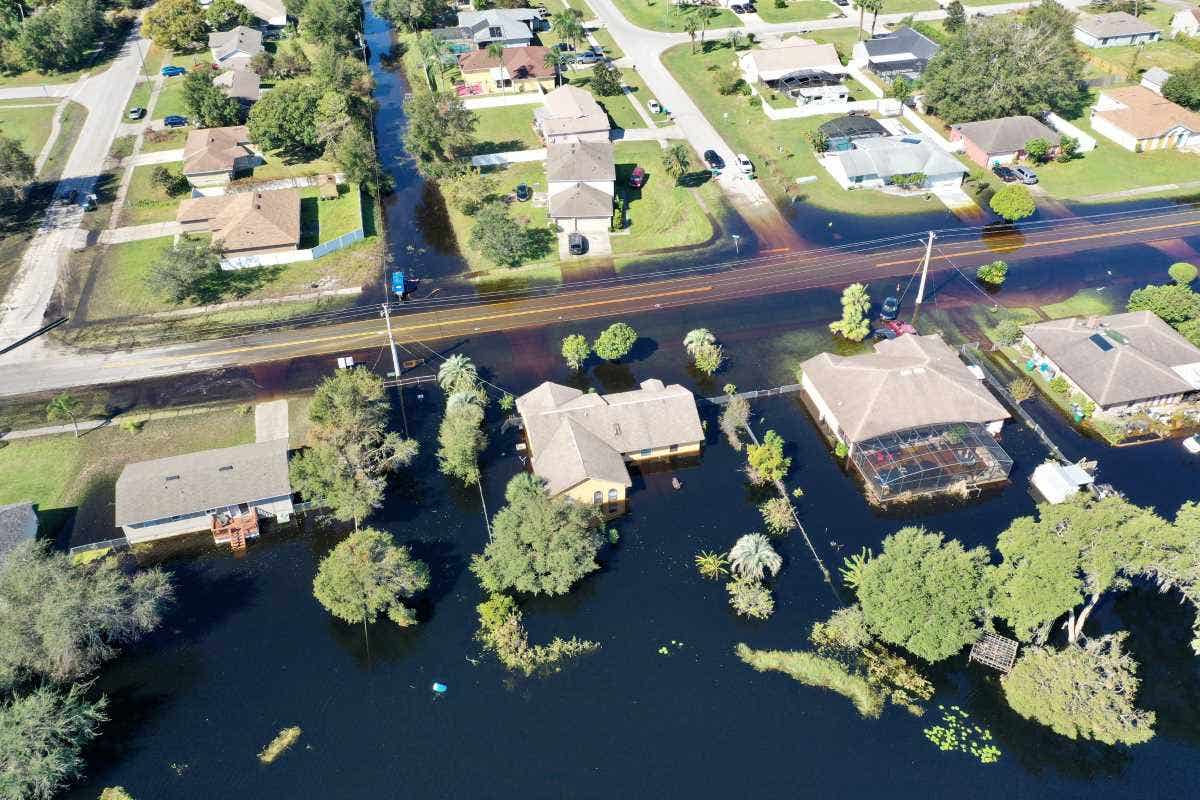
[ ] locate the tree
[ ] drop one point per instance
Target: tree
(355, 151)
(1068, 147)
(175, 24)
(752, 556)
(676, 161)
(41, 737)
(1190, 330)
(16, 171)
(498, 236)
(60, 622)
(862, 6)
(993, 272)
(1083, 692)
(1183, 87)
(854, 324)
(901, 89)
(923, 593)
(956, 17)
(60, 36)
(735, 417)
(708, 358)
(115, 793)
(1173, 303)
(615, 341)
(502, 632)
(540, 544)
(469, 191)
(691, 26)
(461, 441)
(711, 565)
(285, 117)
(566, 26)
(190, 269)
(207, 104)
(767, 463)
(1001, 67)
(410, 15)
(333, 22)
(223, 15)
(750, 598)
(728, 80)
(1038, 150)
(1013, 202)
(874, 6)
(777, 515)
(555, 60)
(697, 338)
(818, 140)
(606, 80)
(1066, 559)
(290, 60)
(575, 349)
(65, 406)
(366, 575)
(1182, 272)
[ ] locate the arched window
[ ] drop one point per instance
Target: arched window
(597, 498)
(612, 495)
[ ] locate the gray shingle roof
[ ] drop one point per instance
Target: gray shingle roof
(197, 482)
(908, 381)
(1112, 24)
(18, 523)
(1141, 367)
(901, 42)
(1007, 134)
(580, 201)
(580, 161)
(514, 23)
(888, 156)
(240, 39)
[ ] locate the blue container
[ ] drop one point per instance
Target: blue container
(440, 688)
(399, 283)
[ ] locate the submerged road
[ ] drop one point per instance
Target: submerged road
(433, 319)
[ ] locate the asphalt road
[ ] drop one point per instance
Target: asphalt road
(434, 319)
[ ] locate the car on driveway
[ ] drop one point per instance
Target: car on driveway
(563, 47)
(654, 107)
(170, 71)
(587, 57)
(174, 121)
(1004, 173)
(576, 244)
(637, 178)
(524, 192)
(891, 307)
(739, 8)
(714, 161)
(136, 113)
(745, 164)
(1025, 175)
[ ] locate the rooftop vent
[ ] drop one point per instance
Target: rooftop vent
(226, 468)
(616, 429)
(172, 477)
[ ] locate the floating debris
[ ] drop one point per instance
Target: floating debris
(440, 688)
(286, 738)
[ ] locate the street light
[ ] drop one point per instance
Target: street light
(736, 246)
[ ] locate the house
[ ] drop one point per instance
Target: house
(240, 84)
(579, 185)
(878, 162)
(225, 491)
(1186, 22)
(511, 27)
(903, 53)
(802, 69)
(1114, 29)
(1138, 119)
(246, 223)
(841, 133)
(211, 156)
(571, 114)
(1001, 141)
(581, 442)
(235, 49)
(1154, 78)
(18, 524)
(1122, 362)
(517, 69)
(269, 12)
(915, 419)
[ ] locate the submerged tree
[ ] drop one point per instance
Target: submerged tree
(777, 515)
(735, 417)
(615, 341)
(767, 463)
(367, 575)
(501, 631)
(41, 737)
(752, 556)
(854, 324)
(575, 350)
(750, 598)
(1013, 203)
(461, 439)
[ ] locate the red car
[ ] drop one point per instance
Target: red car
(637, 178)
(899, 327)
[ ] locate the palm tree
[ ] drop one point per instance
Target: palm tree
(696, 339)
(495, 50)
(861, 5)
(752, 557)
(676, 162)
(690, 26)
(64, 406)
(706, 14)
(567, 27)
(711, 565)
(855, 297)
(457, 374)
(874, 6)
(553, 59)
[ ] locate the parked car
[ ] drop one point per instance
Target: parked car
(891, 307)
(587, 57)
(576, 244)
(170, 71)
(637, 178)
(174, 121)
(655, 108)
(136, 113)
(89, 202)
(713, 160)
(68, 197)
(1025, 175)
(1004, 173)
(524, 192)
(841, 2)
(739, 8)
(745, 164)
(899, 327)
(883, 333)
(563, 47)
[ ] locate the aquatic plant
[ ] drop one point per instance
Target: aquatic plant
(735, 417)
(1021, 389)
(501, 631)
(282, 741)
(819, 671)
(712, 565)
(750, 598)
(777, 516)
(956, 733)
(115, 793)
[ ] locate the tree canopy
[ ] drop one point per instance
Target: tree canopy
(854, 324)
(41, 736)
(1173, 303)
(207, 104)
(224, 15)
(285, 117)
(60, 36)
(16, 171)
(1013, 202)
(615, 341)
(440, 131)
(366, 575)
(175, 24)
(540, 544)
(575, 350)
(191, 268)
(1183, 87)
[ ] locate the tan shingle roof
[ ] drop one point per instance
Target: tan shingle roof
(908, 381)
(1116, 23)
(1140, 368)
(247, 220)
(1147, 115)
(571, 110)
(774, 62)
(580, 161)
(215, 149)
(580, 201)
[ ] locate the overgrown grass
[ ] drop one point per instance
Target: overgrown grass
(504, 129)
(664, 15)
(814, 670)
(157, 141)
(28, 125)
(279, 745)
(798, 11)
(145, 201)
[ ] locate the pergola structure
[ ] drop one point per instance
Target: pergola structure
(995, 651)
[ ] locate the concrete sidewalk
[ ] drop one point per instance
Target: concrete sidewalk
(137, 233)
(511, 157)
(161, 157)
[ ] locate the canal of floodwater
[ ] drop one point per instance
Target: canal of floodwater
(664, 708)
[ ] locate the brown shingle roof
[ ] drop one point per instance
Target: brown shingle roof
(1147, 115)
(1007, 134)
(908, 381)
(215, 149)
(521, 63)
(258, 220)
(1139, 368)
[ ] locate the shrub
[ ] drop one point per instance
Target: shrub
(1013, 203)
(1059, 385)
(615, 341)
(777, 516)
(1008, 332)
(781, 3)
(1021, 389)
(993, 273)
(840, 450)
(1182, 272)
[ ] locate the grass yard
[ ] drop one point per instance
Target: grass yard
(618, 108)
(842, 39)
(146, 202)
(1084, 303)
(170, 99)
(660, 214)
(28, 125)
(140, 98)
(798, 11)
(905, 7)
(662, 15)
(779, 149)
(276, 167)
(1169, 55)
(531, 173)
(505, 129)
(325, 220)
(608, 43)
(173, 139)
(122, 271)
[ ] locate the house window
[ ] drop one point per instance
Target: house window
(646, 452)
(597, 498)
(495, 33)
(674, 448)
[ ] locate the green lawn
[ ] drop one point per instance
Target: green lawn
(29, 126)
(660, 214)
(640, 93)
(275, 167)
(140, 98)
(1169, 55)
(122, 271)
(798, 11)
(662, 15)
(779, 149)
(843, 40)
(170, 99)
(507, 177)
(325, 220)
(904, 7)
(171, 139)
(146, 202)
(1084, 303)
(608, 43)
(620, 112)
(505, 129)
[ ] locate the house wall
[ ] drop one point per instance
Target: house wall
(1114, 41)
(588, 136)
(278, 507)
(689, 449)
(585, 225)
(1177, 138)
(257, 251)
(1184, 23)
(484, 79)
(612, 495)
(824, 412)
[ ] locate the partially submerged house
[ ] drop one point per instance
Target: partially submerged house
(1138, 119)
(225, 491)
(212, 155)
(18, 524)
(246, 223)
(580, 180)
(571, 114)
(517, 69)
(1114, 29)
(236, 48)
(843, 132)
(1002, 141)
(581, 442)
(876, 163)
(903, 53)
(243, 85)
(1122, 362)
(801, 69)
(915, 419)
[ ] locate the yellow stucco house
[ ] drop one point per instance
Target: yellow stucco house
(517, 69)
(581, 442)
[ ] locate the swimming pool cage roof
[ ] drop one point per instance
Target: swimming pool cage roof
(930, 459)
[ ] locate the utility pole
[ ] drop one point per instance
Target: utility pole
(387, 318)
(925, 268)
